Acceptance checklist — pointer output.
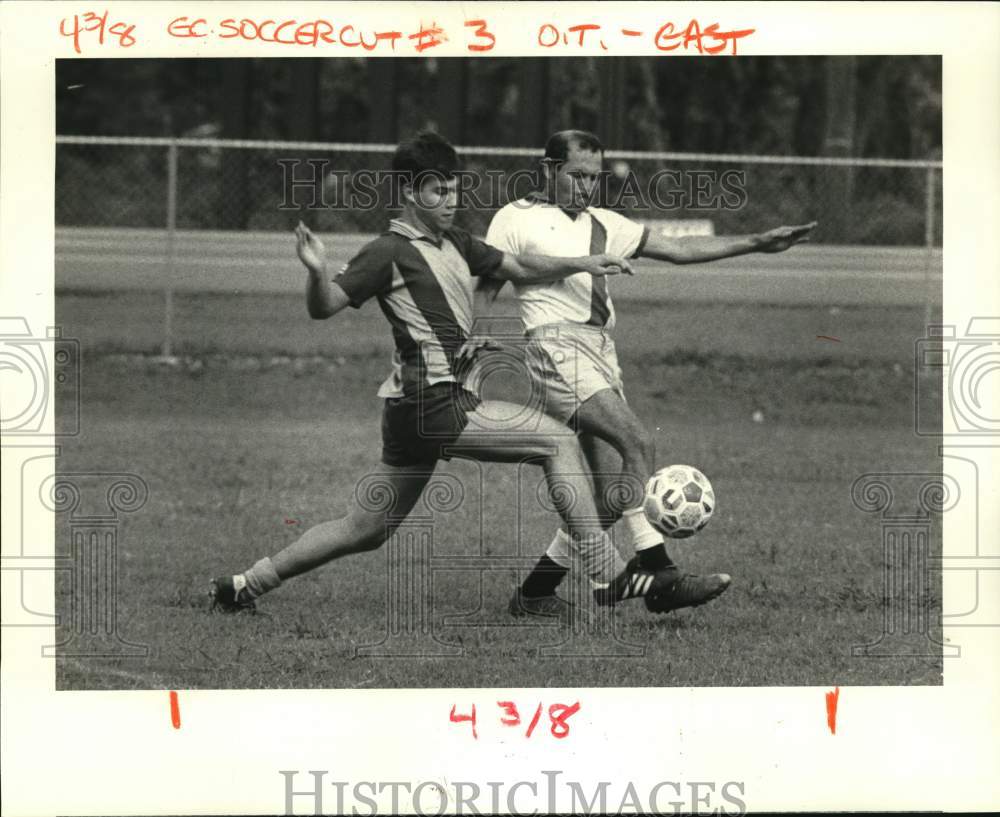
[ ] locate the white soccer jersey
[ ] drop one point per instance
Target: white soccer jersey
(531, 225)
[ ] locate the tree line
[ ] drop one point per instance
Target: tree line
(804, 106)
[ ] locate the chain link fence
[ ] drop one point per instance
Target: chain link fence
(204, 184)
(184, 210)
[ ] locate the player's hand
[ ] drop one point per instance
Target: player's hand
(781, 238)
(310, 249)
(605, 264)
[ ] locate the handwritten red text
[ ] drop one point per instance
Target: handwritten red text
(318, 33)
(510, 716)
(707, 40)
(98, 28)
(83, 28)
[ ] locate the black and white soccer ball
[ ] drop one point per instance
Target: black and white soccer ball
(679, 501)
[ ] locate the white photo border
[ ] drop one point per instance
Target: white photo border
(895, 747)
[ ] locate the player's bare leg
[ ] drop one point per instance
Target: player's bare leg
(608, 417)
(546, 440)
(614, 439)
(485, 438)
(604, 462)
(620, 454)
(366, 526)
(611, 494)
(539, 438)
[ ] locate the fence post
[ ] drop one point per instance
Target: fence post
(168, 291)
(931, 196)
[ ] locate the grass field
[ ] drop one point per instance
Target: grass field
(268, 420)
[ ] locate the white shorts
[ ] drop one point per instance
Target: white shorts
(569, 364)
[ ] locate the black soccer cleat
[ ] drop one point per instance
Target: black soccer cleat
(229, 594)
(662, 590)
(686, 591)
(635, 582)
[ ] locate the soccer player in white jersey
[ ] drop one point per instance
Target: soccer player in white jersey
(571, 354)
(422, 270)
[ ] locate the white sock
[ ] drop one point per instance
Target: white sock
(559, 550)
(641, 535)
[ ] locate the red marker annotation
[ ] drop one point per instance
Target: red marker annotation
(175, 710)
(483, 34)
(428, 37)
(86, 28)
(705, 40)
(510, 716)
(831, 709)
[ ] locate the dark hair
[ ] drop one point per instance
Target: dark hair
(427, 152)
(557, 148)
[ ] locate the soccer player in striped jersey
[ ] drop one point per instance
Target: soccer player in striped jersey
(569, 324)
(422, 271)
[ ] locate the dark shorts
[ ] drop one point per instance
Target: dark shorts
(417, 427)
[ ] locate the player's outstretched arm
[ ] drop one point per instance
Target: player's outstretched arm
(527, 268)
(693, 249)
(323, 297)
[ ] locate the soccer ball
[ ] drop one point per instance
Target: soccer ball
(679, 501)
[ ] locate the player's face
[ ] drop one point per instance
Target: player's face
(576, 178)
(435, 202)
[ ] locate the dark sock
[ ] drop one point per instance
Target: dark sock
(654, 558)
(544, 578)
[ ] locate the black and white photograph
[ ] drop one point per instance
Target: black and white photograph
(515, 372)
(499, 408)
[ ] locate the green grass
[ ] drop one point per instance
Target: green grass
(242, 450)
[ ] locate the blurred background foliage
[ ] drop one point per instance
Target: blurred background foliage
(774, 105)
(862, 107)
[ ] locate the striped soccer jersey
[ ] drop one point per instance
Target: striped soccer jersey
(425, 289)
(532, 225)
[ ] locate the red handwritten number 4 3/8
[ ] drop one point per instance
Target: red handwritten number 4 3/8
(559, 714)
(71, 27)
